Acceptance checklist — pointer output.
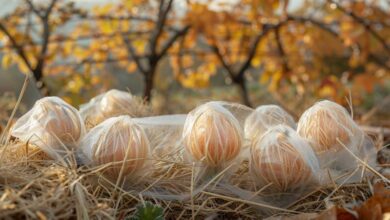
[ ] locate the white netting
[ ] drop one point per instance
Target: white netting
(52, 124)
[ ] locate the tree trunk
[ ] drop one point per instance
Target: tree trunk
(241, 83)
(149, 84)
(42, 87)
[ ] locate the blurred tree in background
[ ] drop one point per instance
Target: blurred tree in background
(138, 40)
(324, 49)
(28, 37)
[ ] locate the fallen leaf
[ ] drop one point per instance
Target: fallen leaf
(332, 213)
(336, 213)
(377, 206)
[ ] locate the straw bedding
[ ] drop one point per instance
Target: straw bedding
(32, 186)
(43, 189)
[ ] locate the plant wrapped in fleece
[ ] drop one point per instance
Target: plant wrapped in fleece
(212, 135)
(330, 129)
(110, 104)
(118, 143)
(265, 117)
(52, 125)
(326, 124)
(283, 159)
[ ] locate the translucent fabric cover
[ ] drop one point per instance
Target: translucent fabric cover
(265, 117)
(117, 143)
(52, 124)
(164, 133)
(324, 123)
(110, 104)
(281, 158)
(205, 143)
(212, 135)
(330, 129)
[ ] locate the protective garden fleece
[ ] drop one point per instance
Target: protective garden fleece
(52, 125)
(209, 148)
(109, 104)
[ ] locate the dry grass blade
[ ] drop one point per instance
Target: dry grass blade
(21, 94)
(250, 202)
(364, 163)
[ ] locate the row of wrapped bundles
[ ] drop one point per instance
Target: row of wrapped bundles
(57, 127)
(280, 153)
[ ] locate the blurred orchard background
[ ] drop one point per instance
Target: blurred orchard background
(179, 53)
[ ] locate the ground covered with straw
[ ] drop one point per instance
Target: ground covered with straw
(32, 186)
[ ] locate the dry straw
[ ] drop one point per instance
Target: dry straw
(33, 189)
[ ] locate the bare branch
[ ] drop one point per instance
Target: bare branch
(134, 56)
(33, 8)
(162, 16)
(42, 14)
(378, 61)
(16, 46)
(77, 65)
(317, 23)
(281, 50)
(326, 28)
(366, 24)
(224, 63)
(63, 39)
(29, 23)
(45, 39)
(180, 55)
(252, 52)
(127, 17)
(172, 40)
(235, 76)
(49, 9)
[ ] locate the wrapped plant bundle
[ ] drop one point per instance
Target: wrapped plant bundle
(52, 124)
(265, 117)
(284, 159)
(239, 111)
(212, 138)
(324, 123)
(330, 129)
(110, 104)
(118, 143)
(212, 135)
